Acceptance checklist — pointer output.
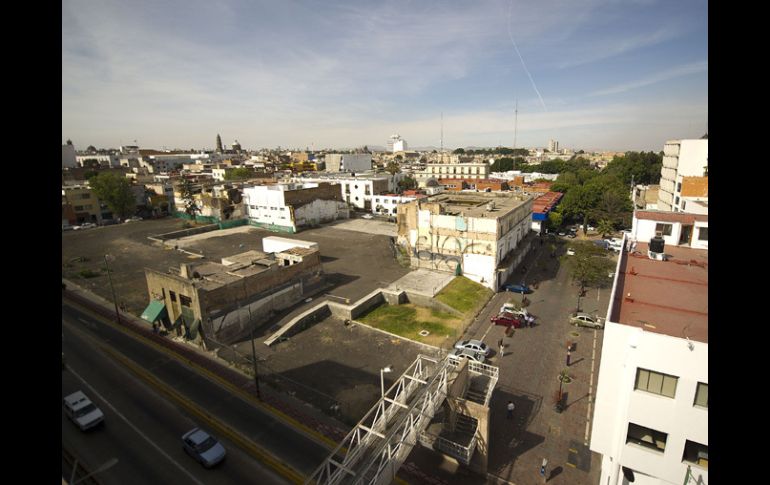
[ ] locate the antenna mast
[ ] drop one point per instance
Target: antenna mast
(515, 126)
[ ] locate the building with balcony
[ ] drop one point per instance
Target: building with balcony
(681, 158)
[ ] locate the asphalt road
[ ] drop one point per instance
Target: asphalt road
(143, 430)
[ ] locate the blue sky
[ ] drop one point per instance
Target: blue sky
(596, 74)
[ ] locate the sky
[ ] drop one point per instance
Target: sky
(592, 74)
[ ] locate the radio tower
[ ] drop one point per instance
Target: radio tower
(515, 126)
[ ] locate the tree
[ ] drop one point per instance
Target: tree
(589, 265)
(392, 168)
(188, 197)
(555, 220)
(605, 227)
(240, 173)
(114, 190)
(407, 183)
(459, 151)
(398, 157)
(579, 202)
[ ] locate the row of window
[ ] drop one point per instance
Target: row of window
(694, 452)
(255, 207)
(665, 230)
(665, 385)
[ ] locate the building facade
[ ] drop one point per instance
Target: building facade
(676, 229)
(681, 158)
(348, 162)
(650, 423)
(480, 233)
(291, 207)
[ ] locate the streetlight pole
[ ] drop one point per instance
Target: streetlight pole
(114, 298)
(382, 378)
(254, 360)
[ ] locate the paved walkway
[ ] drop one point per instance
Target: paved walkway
(423, 282)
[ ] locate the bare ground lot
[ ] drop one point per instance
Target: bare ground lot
(331, 363)
(355, 262)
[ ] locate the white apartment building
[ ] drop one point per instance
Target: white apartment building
(677, 229)
(290, 207)
(388, 204)
(553, 146)
(396, 144)
(104, 160)
(650, 421)
(480, 232)
(681, 158)
(471, 170)
(358, 190)
(348, 162)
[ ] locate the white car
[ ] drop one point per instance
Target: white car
(570, 252)
(367, 216)
(85, 225)
(581, 319)
(473, 344)
(81, 410)
(203, 447)
(458, 354)
(515, 310)
(132, 219)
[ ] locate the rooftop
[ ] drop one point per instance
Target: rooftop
(667, 297)
(476, 204)
(666, 216)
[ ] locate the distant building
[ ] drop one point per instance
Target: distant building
(396, 144)
(481, 235)
(83, 205)
(471, 170)
(677, 229)
(681, 158)
(646, 197)
(68, 156)
(541, 207)
(348, 162)
(553, 146)
(292, 207)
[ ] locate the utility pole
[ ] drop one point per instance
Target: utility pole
(114, 299)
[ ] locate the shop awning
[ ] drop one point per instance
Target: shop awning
(154, 311)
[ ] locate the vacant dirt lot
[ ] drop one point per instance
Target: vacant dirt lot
(355, 262)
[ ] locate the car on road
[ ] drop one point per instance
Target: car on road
(367, 216)
(507, 320)
(473, 344)
(570, 252)
(203, 447)
(467, 354)
(81, 411)
(582, 319)
(132, 219)
(521, 288)
(514, 309)
(85, 225)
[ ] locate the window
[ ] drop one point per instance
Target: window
(702, 395)
(664, 229)
(696, 453)
(684, 204)
(679, 187)
(185, 300)
(655, 382)
(172, 295)
(649, 438)
(85, 196)
(78, 207)
(703, 234)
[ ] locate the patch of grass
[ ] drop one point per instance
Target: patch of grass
(464, 295)
(408, 320)
(87, 273)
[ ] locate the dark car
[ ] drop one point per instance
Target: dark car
(521, 288)
(507, 320)
(602, 243)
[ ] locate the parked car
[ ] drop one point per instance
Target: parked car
(570, 252)
(513, 309)
(80, 410)
(474, 345)
(602, 243)
(521, 288)
(367, 216)
(507, 320)
(203, 447)
(581, 319)
(132, 219)
(572, 235)
(85, 225)
(469, 354)
(614, 244)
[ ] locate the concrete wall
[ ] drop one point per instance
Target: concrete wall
(185, 232)
(426, 301)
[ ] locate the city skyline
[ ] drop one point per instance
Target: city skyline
(598, 75)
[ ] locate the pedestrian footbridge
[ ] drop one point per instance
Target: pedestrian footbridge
(441, 404)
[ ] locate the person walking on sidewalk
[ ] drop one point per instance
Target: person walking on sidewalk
(542, 469)
(568, 357)
(500, 344)
(510, 409)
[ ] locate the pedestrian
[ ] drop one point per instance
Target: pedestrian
(155, 327)
(568, 357)
(530, 321)
(510, 409)
(500, 344)
(542, 468)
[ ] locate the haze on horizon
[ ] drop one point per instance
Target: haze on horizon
(593, 74)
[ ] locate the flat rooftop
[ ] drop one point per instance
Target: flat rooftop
(475, 204)
(667, 297)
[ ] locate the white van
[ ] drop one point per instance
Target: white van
(82, 411)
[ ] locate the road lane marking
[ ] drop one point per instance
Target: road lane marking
(118, 413)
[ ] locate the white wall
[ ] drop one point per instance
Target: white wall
(624, 350)
(644, 230)
(318, 211)
(693, 157)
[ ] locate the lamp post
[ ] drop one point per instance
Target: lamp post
(383, 371)
(109, 275)
(254, 360)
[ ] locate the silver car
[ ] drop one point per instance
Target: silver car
(203, 447)
(467, 354)
(473, 344)
(581, 319)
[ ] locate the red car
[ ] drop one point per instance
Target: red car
(508, 320)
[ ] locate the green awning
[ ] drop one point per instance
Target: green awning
(154, 311)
